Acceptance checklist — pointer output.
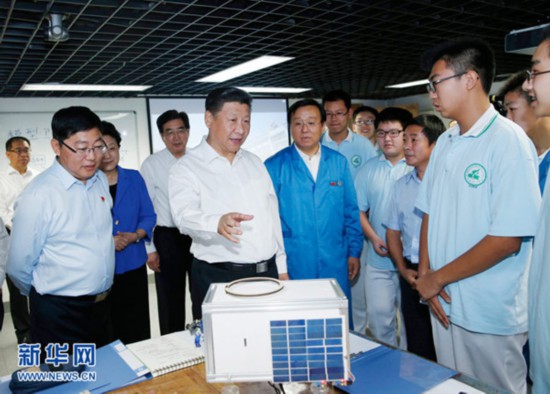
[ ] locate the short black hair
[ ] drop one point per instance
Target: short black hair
(219, 96)
(432, 126)
(514, 84)
(172, 114)
(71, 120)
(364, 108)
(463, 55)
(107, 128)
(10, 141)
(305, 103)
(394, 114)
(337, 95)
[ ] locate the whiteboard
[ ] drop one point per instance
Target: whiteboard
(268, 131)
(36, 127)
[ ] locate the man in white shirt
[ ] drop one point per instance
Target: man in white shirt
(12, 182)
(168, 254)
(222, 196)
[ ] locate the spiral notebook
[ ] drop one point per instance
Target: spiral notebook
(168, 353)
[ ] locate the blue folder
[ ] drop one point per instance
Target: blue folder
(111, 370)
(388, 371)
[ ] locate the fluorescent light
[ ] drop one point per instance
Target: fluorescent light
(245, 68)
(81, 88)
(409, 84)
(255, 89)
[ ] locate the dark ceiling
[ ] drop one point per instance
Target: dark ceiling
(359, 46)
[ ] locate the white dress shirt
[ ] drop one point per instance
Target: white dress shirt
(4, 243)
(12, 184)
(204, 186)
(155, 170)
(311, 161)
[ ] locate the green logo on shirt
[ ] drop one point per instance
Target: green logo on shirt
(475, 175)
(356, 160)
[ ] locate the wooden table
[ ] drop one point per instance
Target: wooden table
(192, 380)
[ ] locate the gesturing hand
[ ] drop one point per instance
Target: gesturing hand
(228, 226)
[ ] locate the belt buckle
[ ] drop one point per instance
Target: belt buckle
(261, 267)
(101, 297)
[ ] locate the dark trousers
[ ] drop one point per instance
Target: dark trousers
(175, 263)
(1, 310)
(204, 274)
(129, 303)
(19, 308)
(417, 320)
(60, 319)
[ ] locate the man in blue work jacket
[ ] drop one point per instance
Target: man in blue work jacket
(317, 202)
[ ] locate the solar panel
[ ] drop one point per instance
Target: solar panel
(307, 350)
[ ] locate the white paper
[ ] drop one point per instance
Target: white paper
(359, 344)
(453, 386)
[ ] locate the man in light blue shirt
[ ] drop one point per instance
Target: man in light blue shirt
(519, 110)
(364, 124)
(62, 251)
(403, 231)
(538, 87)
(357, 150)
(374, 184)
(480, 199)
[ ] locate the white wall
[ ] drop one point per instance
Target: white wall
(51, 105)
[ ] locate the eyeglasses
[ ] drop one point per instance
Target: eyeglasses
(532, 74)
(338, 114)
(81, 153)
(367, 122)
(172, 132)
(300, 124)
(393, 133)
(20, 151)
(432, 84)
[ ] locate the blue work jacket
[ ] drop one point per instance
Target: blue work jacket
(320, 219)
